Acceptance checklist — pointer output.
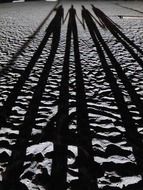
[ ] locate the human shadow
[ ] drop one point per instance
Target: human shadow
(11, 62)
(59, 161)
(132, 135)
(115, 30)
(5, 110)
(22, 142)
(85, 162)
(136, 99)
(89, 171)
(57, 129)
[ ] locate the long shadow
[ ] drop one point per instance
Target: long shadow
(110, 24)
(136, 99)
(62, 137)
(19, 150)
(127, 43)
(59, 162)
(132, 135)
(30, 38)
(87, 168)
(5, 110)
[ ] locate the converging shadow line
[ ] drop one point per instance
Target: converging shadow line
(30, 38)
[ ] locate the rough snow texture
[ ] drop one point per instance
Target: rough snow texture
(113, 152)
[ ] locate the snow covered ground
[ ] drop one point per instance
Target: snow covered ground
(118, 158)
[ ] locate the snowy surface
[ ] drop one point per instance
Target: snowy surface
(113, 153)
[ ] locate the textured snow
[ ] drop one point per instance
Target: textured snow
(18, 21)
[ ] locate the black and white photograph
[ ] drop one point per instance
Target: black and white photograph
(71, 95)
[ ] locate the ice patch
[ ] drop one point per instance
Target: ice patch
(40, 148)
